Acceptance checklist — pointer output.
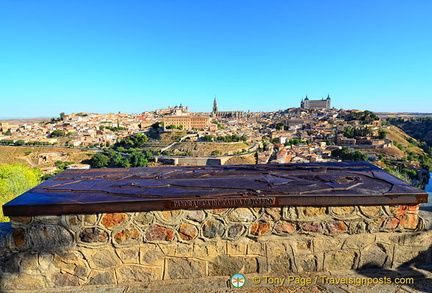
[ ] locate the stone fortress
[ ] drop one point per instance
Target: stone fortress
(316, 104)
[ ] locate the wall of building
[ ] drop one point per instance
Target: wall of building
(139, 250)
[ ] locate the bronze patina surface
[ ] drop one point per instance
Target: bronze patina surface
(159, 188)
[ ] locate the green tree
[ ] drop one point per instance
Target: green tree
(137, 159)
(15, 180)
(382, 134)
(99, 161)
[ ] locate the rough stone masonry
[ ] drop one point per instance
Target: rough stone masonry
(113, 250)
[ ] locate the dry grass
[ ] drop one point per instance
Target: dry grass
(397, 135)
(30, 155)
(237, 160)
(206, 148)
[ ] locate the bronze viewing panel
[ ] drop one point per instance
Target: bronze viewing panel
(198, 187)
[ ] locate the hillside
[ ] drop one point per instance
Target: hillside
(402, 139)
(206, 148)
(420, 129)
(41, 157)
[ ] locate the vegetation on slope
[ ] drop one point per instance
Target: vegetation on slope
(14, 180)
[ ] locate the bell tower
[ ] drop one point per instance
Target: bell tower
(215, 107)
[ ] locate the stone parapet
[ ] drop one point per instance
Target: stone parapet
(43, 252)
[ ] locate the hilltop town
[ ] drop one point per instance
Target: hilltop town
(313, 132)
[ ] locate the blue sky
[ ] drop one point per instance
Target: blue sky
(134, 56)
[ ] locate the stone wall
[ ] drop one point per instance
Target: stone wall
(117, 249)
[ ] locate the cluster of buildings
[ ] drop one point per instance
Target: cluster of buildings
(305, 134)
(78, 129)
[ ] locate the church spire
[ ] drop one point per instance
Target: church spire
(215, 107)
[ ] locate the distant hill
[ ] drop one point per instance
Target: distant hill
(25, 120)
(420, 129)
(402, 114)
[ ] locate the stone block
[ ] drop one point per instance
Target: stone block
(340, 260)
(400, 210)
(110, 220)
(256, 248)
(213, 228)
(64, 280)
(183, 250)
(55, 220)
(302, 245)
(127, 236)
(290, 213)
(216, 248)
(46, 261)
(152, 255)
(226, 265)
(10, 263)
(187, 231)
(93, 236)
(419, 239)
(358, 241)
(72, 263)
(18, 221)
(50, 237)
(359, 227)
(137, 273)
(19, 237)
(373, 256)
(236, 230)
(260, 228)
(342, 211)
(143, 218)
(30, 262)
(313, 212)
(103, 259)
(284, 227)
(129, 255)
(241, 215)
(90, 219)
(28, 282)
(408, 255)
(375, 225)
(195, 215)
(408, 221)
(327, 243)
(275, 213)
(370, 211)
(159, 233)
(237, 247)
(335, 227)
(185, 268)
(274, 248)
(312, 227)
(391, 224)
(281, 264)
(306, 263)
(200, 250)
(169, 217)
(72, 222)
(101, 278)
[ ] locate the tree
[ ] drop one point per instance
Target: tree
(382, 134)
(99, 161)
(137, 159)
(15, 180)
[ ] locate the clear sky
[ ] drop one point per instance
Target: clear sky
(134, 56)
